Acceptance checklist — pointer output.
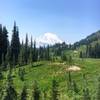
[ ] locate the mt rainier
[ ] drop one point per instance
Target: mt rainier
(48, 39)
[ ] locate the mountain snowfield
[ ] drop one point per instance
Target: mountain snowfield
(48, 39)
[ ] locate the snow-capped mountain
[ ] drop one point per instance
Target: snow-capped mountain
(48, 38)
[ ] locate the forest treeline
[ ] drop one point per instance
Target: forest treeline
(15, 52)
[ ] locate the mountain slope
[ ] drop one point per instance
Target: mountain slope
(89, 39)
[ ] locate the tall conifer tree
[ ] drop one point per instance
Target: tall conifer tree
(15, 43)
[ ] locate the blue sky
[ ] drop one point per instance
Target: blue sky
(71, 20)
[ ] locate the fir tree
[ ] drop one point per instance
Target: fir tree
(1, 43)
(5, 41)
(21, 55)
(15, 43)
(35, 56)
(31, 52)
(48, 53)
(81, 54)
(8, 56)
(1, 74)
(26, 50)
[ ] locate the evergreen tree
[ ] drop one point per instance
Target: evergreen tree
(41, 53)
(87, 51)
(31, 52)
(15, 43)
(81, 54)
(48, 53)
(70, 60)
(1, 74)
(21, 55)
(63, 57)
(1, 43)
(24, 93)
(5, 41)
(26, 50)
(8, 56)
(55, 92)
(36, 92)
(35, 53)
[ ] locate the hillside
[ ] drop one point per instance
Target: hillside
(89, 39)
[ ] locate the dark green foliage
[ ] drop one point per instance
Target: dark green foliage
(1, 74)
(44, 53)
(47, 53)
(86, 95)
(9, 77)
(15, 44)
(36, 92)
(11, 93)
(8, 56)
(44, 95)
(31, 52)
(1, 92)
(21, 73)
(63, 57)
(26, 50)
(5, 41)
(24, 93)
(75, 87)
(55, 92)
(41, 53)
(81, 54)
(3, 65)
(21, 55)
(69, 81)
(69, 77)
(35, 52)
(70, 60)
(1, 43)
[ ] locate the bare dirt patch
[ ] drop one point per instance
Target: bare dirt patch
(73, 68)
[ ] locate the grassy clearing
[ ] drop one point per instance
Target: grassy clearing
(44, 72)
